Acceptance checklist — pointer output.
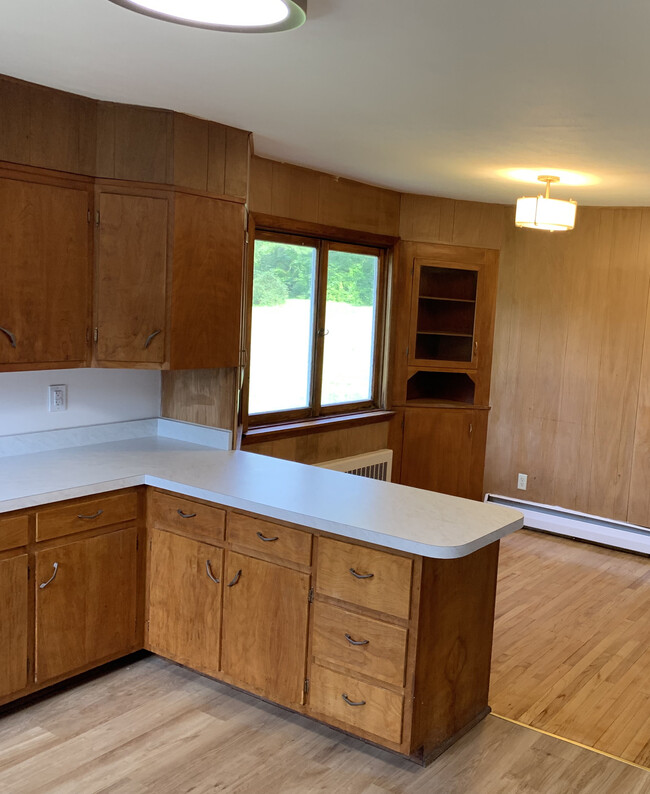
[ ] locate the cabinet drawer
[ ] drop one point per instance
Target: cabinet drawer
(367, 577)
(367, 646)
(379, 711)
(182, 515)
(13, 532)
(275, 540)
(86, 514)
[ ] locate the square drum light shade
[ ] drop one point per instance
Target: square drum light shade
(542, 212)
(232, 16)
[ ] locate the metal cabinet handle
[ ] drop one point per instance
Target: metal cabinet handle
(361, 575)
(356, 642)
(236, 579)
(208, 570)
(52, 578)
(352, 702)
(12, 338)
(476, 346)
(185, 515)
(266, 540)
(151, 337)
(94, 515)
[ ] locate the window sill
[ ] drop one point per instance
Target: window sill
(256, 435)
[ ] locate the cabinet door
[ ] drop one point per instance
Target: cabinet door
(13, 624)
(443, 314)
(265, 613)
(185, 601)
(206, 282)
(85, 602)
(131, 279)
(444, 450)
(45, 274)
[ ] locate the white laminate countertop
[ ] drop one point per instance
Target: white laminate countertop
(396, 516)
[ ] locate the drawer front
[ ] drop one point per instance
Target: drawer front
(367, 577)
(379, 712)
(367, 646)
(182, 515)
(13, 532)
(86, 514)
(280, 542)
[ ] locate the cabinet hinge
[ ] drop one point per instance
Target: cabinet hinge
(306, 685)
(97, 219)
(246, 237)
(95, 334)
(89, 216)
(310, 597)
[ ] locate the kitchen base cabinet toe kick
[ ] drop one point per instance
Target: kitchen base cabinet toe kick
(390, 647)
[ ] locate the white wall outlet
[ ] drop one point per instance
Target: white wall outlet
(522, 482)
(57, 398)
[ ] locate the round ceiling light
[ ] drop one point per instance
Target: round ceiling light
(235, 16)
(543, 212)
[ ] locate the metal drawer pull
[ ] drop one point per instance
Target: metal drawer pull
(356, 642)
(151, 337)
(12, 338)
(361, 575)
(185, 515)
(236, 579)
(352, 702)
(208, 570)
(266, 540)
(94, 515)
(52, 578)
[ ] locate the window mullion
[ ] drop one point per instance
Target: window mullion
(319, 327)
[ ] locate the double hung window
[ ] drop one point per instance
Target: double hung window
(315, 328)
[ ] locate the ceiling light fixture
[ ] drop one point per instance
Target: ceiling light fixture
(543, 212)
(234, 16)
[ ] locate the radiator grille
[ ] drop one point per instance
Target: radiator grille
(375, 465)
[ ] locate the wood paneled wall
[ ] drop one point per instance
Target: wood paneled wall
(570, 395)
(43, 127)
(288, 191)
(204, 396)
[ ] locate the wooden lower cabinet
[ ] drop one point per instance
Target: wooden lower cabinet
(185, 586)
(265, 619)
(444, 450)
(388, 646)
(86, 596)
(14, 606)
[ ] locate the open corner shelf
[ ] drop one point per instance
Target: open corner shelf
(426, 387)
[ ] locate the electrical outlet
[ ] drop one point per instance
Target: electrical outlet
(522, 482)
(57, 398)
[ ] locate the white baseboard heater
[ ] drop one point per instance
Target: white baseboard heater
(377, 465)
(572, 524)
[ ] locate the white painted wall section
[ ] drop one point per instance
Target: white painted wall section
(95, 396)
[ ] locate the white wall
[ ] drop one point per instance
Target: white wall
(95, 396)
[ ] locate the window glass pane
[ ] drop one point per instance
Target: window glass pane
(349, 327)
(281, 330)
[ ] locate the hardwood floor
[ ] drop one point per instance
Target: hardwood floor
(155, 727)
(572, 643)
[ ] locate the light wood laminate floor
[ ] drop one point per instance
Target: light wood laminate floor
(572, 642)
(155, 727)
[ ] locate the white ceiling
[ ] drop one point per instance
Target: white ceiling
(426, 96)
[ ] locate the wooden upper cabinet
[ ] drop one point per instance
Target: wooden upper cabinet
(450, 314)
(131, 278)
(264, 640)
(44, 272)
(207, 278)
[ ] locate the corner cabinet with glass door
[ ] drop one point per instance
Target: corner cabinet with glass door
(316, 328)
(445, 374)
